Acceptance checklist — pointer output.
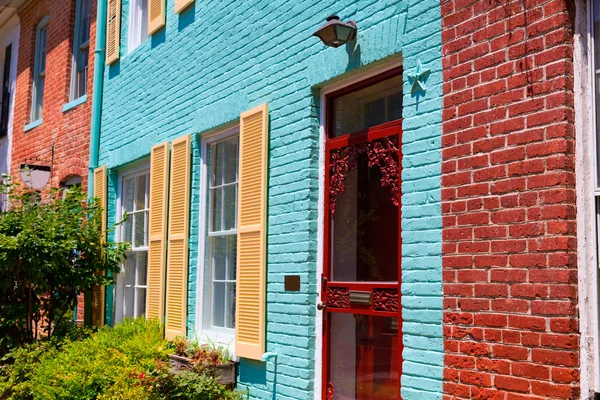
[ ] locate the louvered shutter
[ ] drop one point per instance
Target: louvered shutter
(156, 15)
(113, 31)
(157, 227)
(181, 5)
(177, 255)
(98, 292)
(251, 248)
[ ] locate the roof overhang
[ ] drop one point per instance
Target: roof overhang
(8, 8)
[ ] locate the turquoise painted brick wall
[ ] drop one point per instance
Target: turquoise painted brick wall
(218, 59)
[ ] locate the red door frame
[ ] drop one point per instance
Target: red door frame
(393, 128)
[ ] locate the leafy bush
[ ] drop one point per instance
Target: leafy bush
(49, 253)
(128, 361)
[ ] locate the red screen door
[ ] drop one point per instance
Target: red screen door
(360, 297)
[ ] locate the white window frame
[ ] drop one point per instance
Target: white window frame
(221, 336)
(119, 303)
(37, 73)
(138, 24)
(78, 47)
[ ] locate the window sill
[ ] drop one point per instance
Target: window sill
(33, 124)
(219, 338)
(74, 103)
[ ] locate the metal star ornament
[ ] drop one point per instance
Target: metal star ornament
(418, 79)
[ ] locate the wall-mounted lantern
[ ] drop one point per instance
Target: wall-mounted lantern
(35, 176)
(335, 33)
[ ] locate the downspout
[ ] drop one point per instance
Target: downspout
(99, 56)
(97, 92)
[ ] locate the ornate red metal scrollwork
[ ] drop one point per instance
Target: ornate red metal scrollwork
(329, 391)
(338, 297)
(382, 153)
(385, 300)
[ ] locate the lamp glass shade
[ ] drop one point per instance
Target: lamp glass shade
(343, 32)
(327, 34)
(35, 177)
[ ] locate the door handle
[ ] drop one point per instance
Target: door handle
(322, 306)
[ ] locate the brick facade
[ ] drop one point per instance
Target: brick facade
(68, 131)
(508, 200)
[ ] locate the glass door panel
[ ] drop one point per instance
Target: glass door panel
(364, 357)
(365, 229)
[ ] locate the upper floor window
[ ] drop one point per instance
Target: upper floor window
(5, 92)
(138, 23)
(81, 49)
(39, 69)
(132, 282)
(219, 275)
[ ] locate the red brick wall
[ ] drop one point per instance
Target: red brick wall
(510, 278)
(68, 132)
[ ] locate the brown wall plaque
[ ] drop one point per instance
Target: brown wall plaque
(292, 283)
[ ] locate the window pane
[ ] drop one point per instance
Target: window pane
(129, 190)
(218, 163)
(141, 302)
(128, 229)
(368, 107)
(216, 202)
(219, 254)
(142, 273)
(43, 49)
(84, 28)
(144, 20)
(229, 207)
(218, 314)
(230, 305)
(231, 257)
(82, 72)
(139, 225)
(140, 195)
(230, 163)
(129, 292)
(130, 267)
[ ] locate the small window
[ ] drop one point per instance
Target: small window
(364, 108)
(39, 69)
(221, 193)
(5, 92)
(70, 183)
(138, 23)
(81, 49)
(132, 281)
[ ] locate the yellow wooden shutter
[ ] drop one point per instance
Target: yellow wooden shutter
(157, 227)
(180, 5)
(177, 255)
(156, 15)
(251, 248)
(113, 31)
(98, 292)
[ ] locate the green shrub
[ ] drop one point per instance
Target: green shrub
(128, 361)
(89, 368)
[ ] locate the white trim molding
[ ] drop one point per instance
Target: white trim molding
(585, 166)
(379, 69)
